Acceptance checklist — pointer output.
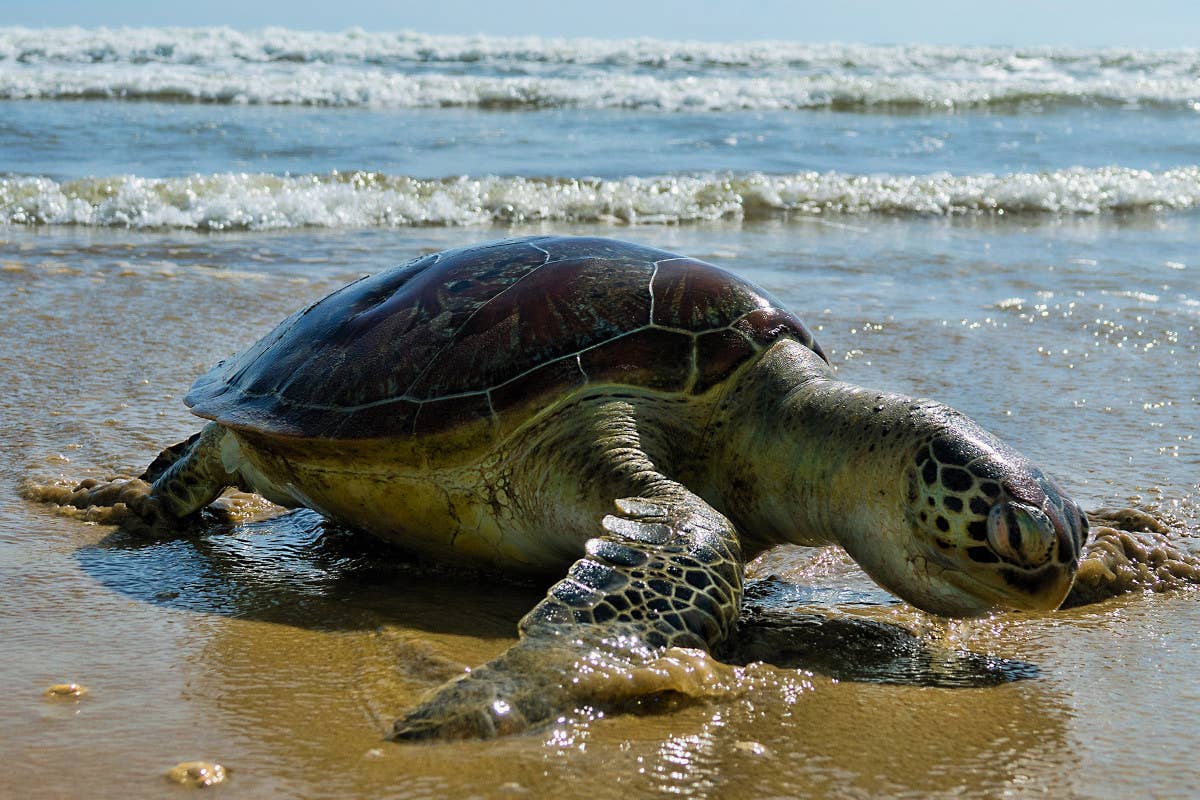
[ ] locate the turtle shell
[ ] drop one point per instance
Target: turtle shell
(494, 330)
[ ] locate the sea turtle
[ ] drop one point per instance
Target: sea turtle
(642, 421)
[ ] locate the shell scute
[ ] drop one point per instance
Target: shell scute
(555, 312)
(652, 357)
(562, 375)
(436, 416)
(695, 296)
(358, 423)
(765, 325)
(569, 248)
(718, 354)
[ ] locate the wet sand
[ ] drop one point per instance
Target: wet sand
(282, 650)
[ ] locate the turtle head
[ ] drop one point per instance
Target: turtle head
(933, 507)
(981, 526)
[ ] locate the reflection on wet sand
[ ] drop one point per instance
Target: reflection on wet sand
(295, 569)
(859, 740)
(848, 648)
(321, 638)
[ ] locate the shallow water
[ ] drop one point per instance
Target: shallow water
(1011, 231)
(273, 647)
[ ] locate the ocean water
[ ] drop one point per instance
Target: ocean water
(1013, 231)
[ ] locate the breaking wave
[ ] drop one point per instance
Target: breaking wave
(240, 201)
(411, 70)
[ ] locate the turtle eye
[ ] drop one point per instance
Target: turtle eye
(1021, 533)
(1084, 530)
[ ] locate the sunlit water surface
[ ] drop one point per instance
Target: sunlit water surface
(284, 650)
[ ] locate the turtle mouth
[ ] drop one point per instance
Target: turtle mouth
(1019, 589)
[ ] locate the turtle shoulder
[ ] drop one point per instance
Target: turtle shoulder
(492, 331)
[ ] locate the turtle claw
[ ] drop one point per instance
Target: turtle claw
(640, 507)
(637, 530)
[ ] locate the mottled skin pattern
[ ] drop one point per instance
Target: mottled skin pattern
(642, 421)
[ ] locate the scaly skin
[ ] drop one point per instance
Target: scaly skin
(933, 507)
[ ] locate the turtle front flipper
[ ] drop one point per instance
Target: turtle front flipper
(667, 572)
(183, 479)
(1130, 551)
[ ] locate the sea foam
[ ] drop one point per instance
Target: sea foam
(409, 70)
(233, 201)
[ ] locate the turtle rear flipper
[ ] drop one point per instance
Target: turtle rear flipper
(167, 458)
(183, 479)
(667, 572)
